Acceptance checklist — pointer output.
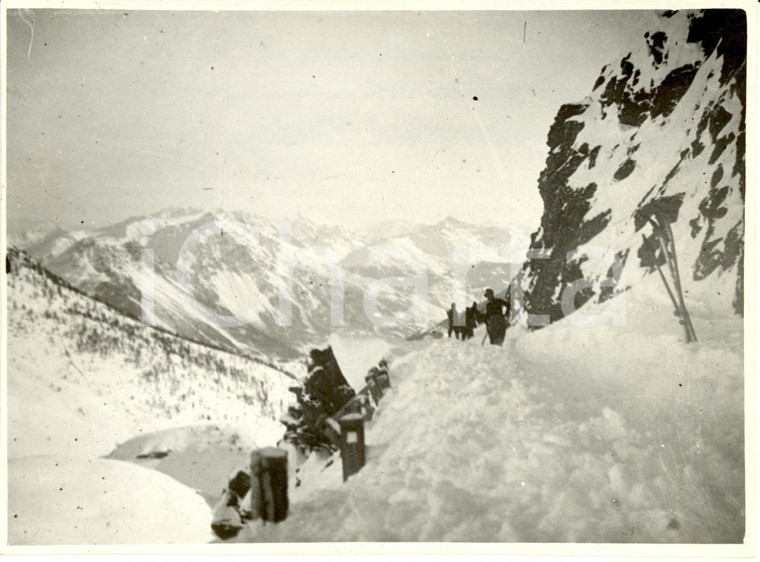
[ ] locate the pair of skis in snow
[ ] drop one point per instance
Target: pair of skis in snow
(664, 236)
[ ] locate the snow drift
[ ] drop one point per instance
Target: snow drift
(598, 434)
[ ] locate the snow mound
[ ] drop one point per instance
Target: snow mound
(200, 457)
(593, 434)
(100, 502)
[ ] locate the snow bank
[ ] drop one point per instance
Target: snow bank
(596, 434)
(201, 457)
(56, 501)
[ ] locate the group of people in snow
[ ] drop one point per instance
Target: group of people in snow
(463, 324)
(495, 316)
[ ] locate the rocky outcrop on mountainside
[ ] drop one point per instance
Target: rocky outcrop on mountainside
(662, 133)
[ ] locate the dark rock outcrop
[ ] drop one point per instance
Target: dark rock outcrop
(678, 104)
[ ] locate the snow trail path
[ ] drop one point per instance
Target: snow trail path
(597, 434)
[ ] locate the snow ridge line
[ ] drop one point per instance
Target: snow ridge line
(19, 258)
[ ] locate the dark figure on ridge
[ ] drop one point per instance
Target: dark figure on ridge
(453, 316)
(471, 321)
(496, 318)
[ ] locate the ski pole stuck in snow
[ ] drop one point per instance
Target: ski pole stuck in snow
(664, 236)
(269, 484)
(352, 451)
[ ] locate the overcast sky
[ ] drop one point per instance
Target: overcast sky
(346, 117)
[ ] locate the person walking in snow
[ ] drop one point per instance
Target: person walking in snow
(496, 318)
(459, 325)
(470, 321)
(451, 313)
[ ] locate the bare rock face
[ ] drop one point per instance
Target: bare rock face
(662, 133)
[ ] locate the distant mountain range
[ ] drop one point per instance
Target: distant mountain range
(246, 283)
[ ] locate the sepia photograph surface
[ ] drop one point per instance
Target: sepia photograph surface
(398, 276)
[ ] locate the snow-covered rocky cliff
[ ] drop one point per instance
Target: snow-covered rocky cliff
(661, 133)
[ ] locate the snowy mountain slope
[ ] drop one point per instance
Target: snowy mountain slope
(636, 440)
(91, 351)
(132, 266)
(662, 131)
(47, 243)
(451, 234)
(245, 283)
(452, 253)
(83, 378)
(385, 229)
